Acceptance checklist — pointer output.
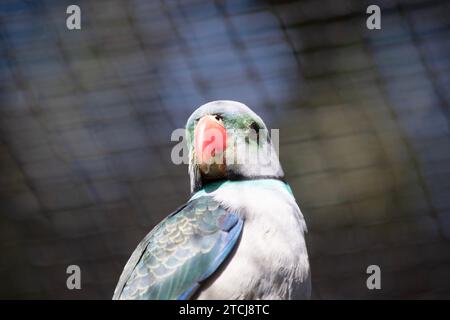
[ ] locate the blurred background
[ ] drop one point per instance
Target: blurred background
(86, 118)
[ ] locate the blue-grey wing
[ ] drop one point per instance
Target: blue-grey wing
(179, 253)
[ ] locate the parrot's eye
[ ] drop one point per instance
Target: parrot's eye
(218, 117)
(255, 127)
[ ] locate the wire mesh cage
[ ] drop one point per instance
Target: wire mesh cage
(86, 117)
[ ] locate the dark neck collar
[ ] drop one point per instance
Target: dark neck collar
(238, 178)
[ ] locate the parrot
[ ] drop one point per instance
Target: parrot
(240, 236)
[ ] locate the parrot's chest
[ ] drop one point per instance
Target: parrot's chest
(270, 261)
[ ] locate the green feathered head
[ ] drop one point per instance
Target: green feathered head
(227, 140)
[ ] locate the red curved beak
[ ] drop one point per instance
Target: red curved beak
(210, 141)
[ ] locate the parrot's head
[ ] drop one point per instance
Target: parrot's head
(227, 140)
